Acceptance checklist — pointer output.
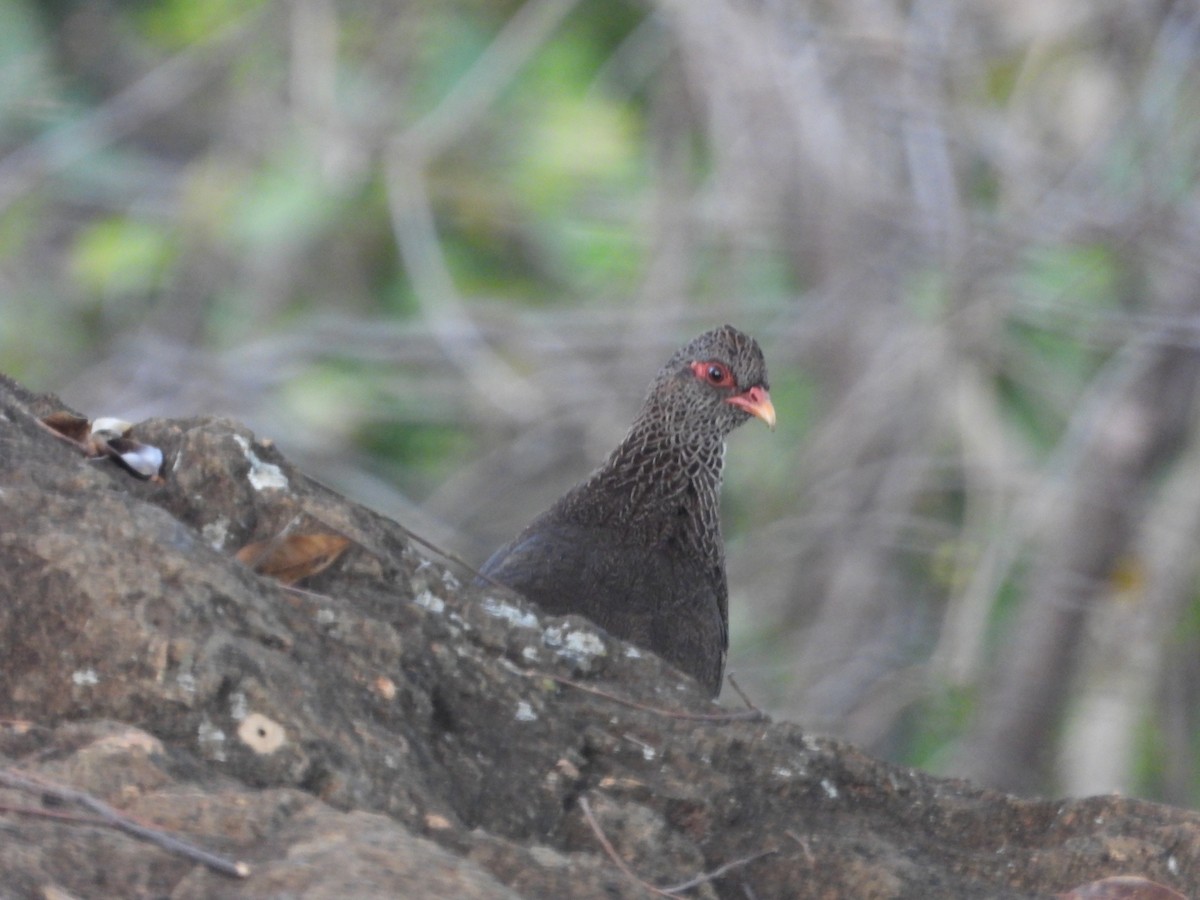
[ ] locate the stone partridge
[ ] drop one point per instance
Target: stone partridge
(636, 547)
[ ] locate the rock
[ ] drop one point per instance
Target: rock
(385, 732)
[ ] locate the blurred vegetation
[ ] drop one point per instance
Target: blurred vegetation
(436, 250)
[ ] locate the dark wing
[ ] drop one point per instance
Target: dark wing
(566, 569)
(672, 607)
(546, 564)
(690, 629)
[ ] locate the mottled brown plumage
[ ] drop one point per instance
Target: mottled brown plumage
(636, 547)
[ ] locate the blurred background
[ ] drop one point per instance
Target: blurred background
(436, 250)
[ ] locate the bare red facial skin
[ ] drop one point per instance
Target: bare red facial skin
(754, 400)
(715, 373)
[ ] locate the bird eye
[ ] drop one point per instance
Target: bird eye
(715, 373)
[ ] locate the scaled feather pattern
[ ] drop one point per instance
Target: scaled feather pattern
(636, 546)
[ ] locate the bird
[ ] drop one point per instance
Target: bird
(636, 546)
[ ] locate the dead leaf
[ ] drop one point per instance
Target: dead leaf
(1122, 887)
(293, 558)
(107, 436)
(69, 425)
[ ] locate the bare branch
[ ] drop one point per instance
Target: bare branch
(675, 891)
(113, 818)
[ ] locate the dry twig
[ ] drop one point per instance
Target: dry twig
(112, 818)
(738, 690)
(717, 872)
(448, 555)
(611, 851)
(674, 891)
(163, 87)
(803, 843)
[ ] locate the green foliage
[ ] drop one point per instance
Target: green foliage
(574, 168)
(452, 40)
(795, 395)
(121, 256)
(927, 295)
(1001, 78)
(1050, 357)
(1086, 275)
(1188, 631)
(285, 202)
(1150, 756)
(419, 456)
(417, 446)
(174, 24)
(935, 725)
(25, 64)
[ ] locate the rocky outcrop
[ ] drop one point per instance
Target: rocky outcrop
(382, 731)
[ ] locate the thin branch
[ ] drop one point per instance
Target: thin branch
(674, 891)
(522, 36)
(113, 818)
(803, 842)
(417, 240)
(452, 557)
(738, 689)
(413, 225)
(718, 872)
(161, 89)
(616, 857)
(40, 812)
(747, 715)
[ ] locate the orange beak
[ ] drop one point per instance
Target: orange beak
(757, 402)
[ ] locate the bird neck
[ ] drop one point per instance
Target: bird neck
(664, 489)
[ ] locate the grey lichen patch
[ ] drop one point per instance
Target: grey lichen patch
(531, 654)
(211, 740)
(238, 706)
(263, 475)
(85, 677)
(215, 534)
(525, 712)
(579, 645)
(430, 601)
(510, 613)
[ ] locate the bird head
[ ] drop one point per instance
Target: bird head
(713, 384)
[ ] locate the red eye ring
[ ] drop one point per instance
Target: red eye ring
(713, 372)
